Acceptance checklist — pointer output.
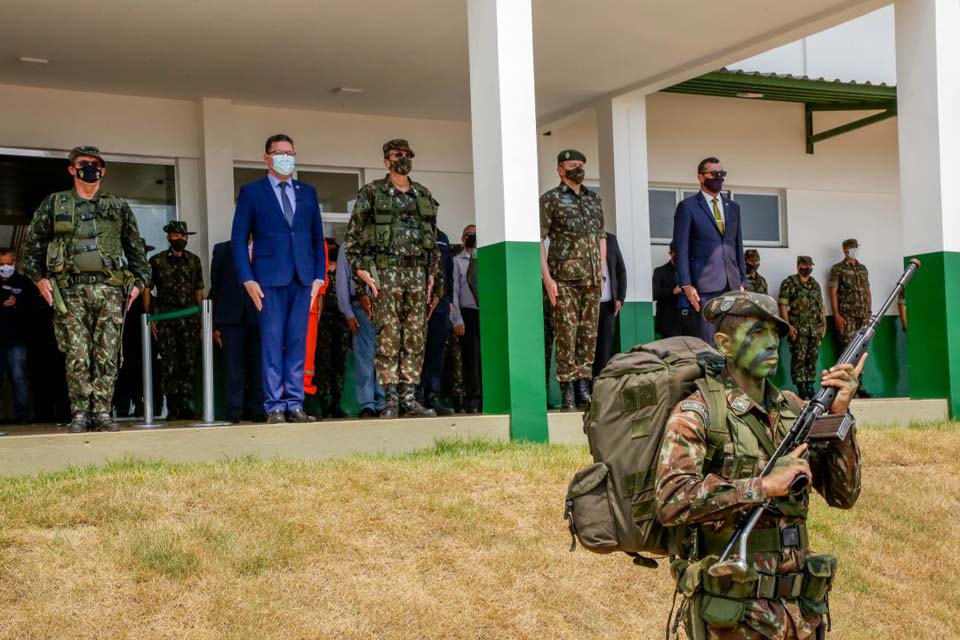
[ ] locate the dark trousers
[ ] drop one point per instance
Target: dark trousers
(470, 352)
(242, 375)
(13, 366)
(434, 352)
(707, 329)
(605, 330)
(283, 329)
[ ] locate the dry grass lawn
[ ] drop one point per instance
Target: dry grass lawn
(464, 541)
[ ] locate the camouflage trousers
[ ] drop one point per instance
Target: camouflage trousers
(854, 324)
(333, 343)
(575, 321)
(178, 343)
(453, 367)
(400, 317)
(804, 352)
(88, 334)
(548, 336)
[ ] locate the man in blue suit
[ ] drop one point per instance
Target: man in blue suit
(709, 243)
(283, 273)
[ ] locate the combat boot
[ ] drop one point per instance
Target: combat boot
(568, 400)
(410, 407)
(581, 392)
(80, 423)
(392, 407)
(103, 421)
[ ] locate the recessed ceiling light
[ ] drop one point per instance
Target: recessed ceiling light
(347, 90)
(749, 94)
(31, 60)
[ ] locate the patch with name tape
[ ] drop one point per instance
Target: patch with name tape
(697, 407)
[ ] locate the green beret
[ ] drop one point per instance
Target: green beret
(570, 154)
(87, 151)
(177, 226)
(804, 260)
(746, 304)
(850, 242)
(397, 144)
(751, 253)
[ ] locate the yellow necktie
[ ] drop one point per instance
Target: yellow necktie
(717, 216)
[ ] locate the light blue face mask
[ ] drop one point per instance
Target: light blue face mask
(7, 270)
(284, 164)
(853, 252)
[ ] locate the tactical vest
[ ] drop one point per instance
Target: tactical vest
(101, 234)
(404, 234)
(574, 223)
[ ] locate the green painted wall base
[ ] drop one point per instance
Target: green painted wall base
(636, 324)
(511, 327)
(933, 315)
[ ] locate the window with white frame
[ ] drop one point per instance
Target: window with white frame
(761, 214)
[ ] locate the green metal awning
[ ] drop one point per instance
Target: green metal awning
(814, 94)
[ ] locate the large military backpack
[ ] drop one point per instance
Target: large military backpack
(610, 504)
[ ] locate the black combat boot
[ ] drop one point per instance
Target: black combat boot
(103, 421)
(410, 407)
(80, 423)
(581, 392)
(568, 400)
(392, 407)
(457, 404)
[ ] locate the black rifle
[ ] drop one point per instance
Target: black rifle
(810, 427)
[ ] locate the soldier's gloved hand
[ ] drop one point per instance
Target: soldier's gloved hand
(777, 482)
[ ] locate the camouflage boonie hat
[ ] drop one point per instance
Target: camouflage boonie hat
(804, 260)
(570, 154)
(86, 151)
(751, 253)
(177, 226)
(850, 242)
(745, 304)
(397, 144)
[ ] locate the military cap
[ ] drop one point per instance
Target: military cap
(804, 260)
(751, 253)
(147, 248)
(397, 144)
(746, 304)
(177, 226)
(87, 151)
(570, 154)
(850, 242)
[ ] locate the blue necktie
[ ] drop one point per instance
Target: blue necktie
(285, 203)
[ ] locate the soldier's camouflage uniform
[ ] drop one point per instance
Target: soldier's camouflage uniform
(852, 282)
(708, 479)
(94, 287)
(574, 224)
(547, 337)
(392, 234)
(177, 279)
(333, 343)
(453, 369)
(756, 283)
(804, 301)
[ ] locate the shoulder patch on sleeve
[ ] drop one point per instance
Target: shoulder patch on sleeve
(697, 407)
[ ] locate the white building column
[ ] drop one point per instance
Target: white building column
(507, 211)
(928, 108)
(216, 161)
(622, 133)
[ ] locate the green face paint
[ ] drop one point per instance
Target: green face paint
(754, 348)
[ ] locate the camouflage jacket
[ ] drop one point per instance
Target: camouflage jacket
(176, 279)
(574, 224)
(756, 283)
(804, 301)
(852, 282)
(391, 228)
(40, 233)
(709, 493)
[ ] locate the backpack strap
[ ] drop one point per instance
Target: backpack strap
(718, 434)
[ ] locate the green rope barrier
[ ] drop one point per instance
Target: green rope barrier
(170, 315)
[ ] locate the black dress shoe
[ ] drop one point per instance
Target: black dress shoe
(299, 415)
(276, 417)
(366, 413)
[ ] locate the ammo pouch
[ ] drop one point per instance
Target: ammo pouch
(588, 510)
(56, 257)
(428, 214)
(382, 225)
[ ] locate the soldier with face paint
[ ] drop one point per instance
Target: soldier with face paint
(708, 480)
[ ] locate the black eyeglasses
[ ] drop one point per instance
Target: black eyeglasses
(282, 153)
(714, 174)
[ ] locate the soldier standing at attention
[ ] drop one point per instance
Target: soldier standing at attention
(708, 479)
(571, 216)
(754, 282)
(333, 342)
(178, 278)
(392, 246)
(850, 299)
(801, 305)
(84, 253)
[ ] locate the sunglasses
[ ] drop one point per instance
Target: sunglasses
(714, 174)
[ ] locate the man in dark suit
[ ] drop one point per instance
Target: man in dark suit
(666, 292)
(236, 331)
(709, 243)
(438, 326)
(283, 274)
(613, 292)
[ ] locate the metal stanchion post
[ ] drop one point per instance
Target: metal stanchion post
(206, 315)
(146, 351)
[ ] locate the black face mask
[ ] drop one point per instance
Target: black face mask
(575, 176)
(89, 173)
(805, 271)
(403, 166)
(752, 268)
(713, 184)
(470, 241)
(178, 245)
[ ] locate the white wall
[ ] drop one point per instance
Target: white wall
(848, 188)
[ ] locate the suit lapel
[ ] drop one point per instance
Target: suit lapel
(272, 198)
(706, 210)
(300, 194)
